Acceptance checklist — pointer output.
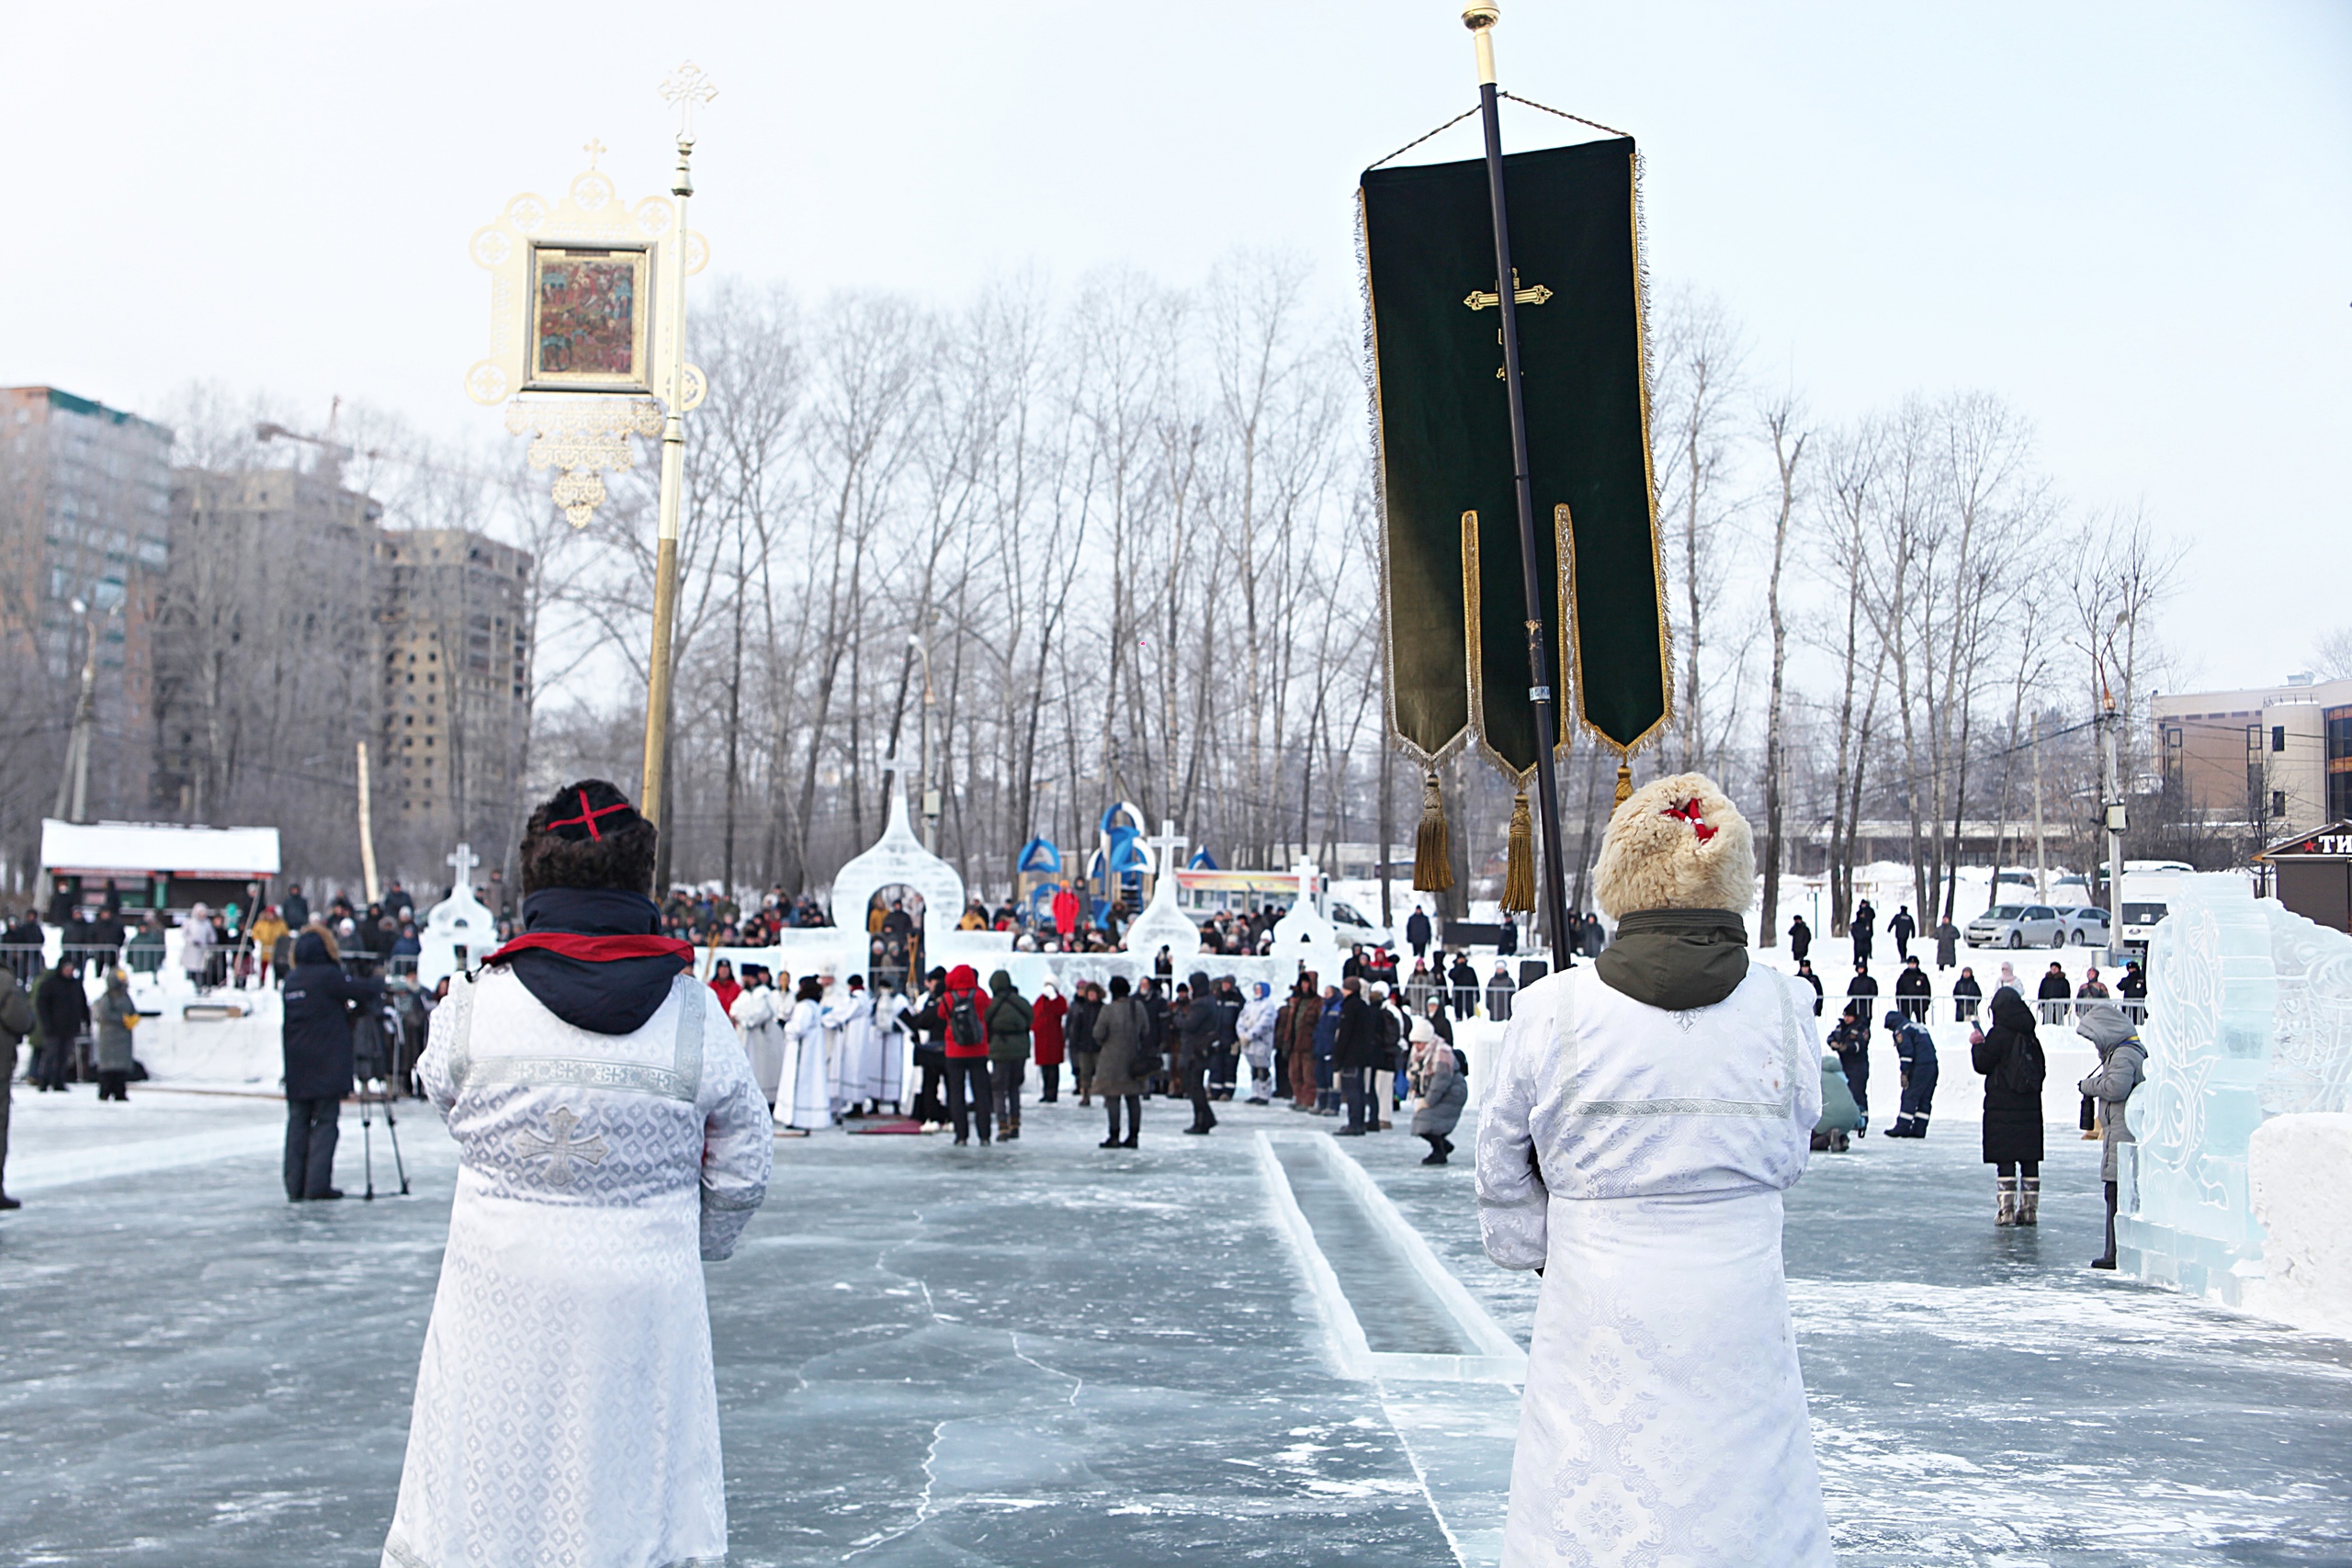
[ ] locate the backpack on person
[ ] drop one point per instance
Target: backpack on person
(2023, 1069)
(964, 1026)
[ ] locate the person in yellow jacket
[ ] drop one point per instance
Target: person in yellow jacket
(267, 928)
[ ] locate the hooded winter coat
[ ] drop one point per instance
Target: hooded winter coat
(115, 1010)
(319, 999)
(1122, 1038)
(2010, 1056)
(1045, 1015)
(1009, 1019)
(2122, 1063)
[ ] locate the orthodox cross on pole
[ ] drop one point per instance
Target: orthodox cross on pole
(1480, 16)
(465, 860)
(1491, 300)
(685, 87)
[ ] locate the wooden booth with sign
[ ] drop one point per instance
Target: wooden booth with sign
(2312, 874)
(158, 866)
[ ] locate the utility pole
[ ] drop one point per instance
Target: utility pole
(2040, 850)
(366, 828)
(2110, 723)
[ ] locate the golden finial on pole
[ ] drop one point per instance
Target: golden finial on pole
(1481, 19)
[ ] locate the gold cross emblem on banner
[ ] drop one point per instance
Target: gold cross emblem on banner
(1483, 300)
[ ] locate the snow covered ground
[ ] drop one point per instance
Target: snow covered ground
(1046, 1353)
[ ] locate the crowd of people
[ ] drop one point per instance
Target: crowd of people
(2056, 998)
(828, 1052)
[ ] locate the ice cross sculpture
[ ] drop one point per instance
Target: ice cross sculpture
(1170, 843)
(560, 1151)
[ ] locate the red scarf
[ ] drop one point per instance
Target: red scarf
(597, 948)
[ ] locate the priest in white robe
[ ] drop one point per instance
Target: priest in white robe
(610, 1144)
(759, 1016)
(1645, 1114)
(889, 1084)
(850, 1014)
(806, 1102)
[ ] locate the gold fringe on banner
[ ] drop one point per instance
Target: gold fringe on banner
(1518, 870)
(1432, 852)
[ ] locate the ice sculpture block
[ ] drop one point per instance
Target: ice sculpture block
(2247, 1020)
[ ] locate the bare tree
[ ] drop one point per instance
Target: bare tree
(1784, 421)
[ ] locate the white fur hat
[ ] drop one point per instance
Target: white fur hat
(1677, 843)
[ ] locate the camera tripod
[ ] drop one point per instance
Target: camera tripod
(378, 1095)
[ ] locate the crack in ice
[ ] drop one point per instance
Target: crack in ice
(1076, 1383)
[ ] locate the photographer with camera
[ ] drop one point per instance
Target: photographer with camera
(319, 1000)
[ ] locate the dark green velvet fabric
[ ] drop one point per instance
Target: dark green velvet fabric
(1445, 439)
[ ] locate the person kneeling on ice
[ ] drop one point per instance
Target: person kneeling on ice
(611, 1141)
(1643, 1117)
(1436, 1070)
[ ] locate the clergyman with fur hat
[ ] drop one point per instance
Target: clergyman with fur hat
(611, 1141)
(1646, 1114)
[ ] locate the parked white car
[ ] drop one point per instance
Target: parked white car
(2018, 925)
(2085, 925)
(1351, 927)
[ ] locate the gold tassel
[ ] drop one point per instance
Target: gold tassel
(1433, 853)
(1624, 782)
(1519, 867)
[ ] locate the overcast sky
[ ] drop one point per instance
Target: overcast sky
(2133, 221)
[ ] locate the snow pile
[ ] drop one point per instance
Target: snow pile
(201, 1039)
(2299, 1167)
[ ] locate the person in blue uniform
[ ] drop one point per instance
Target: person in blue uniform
(1915, 1049)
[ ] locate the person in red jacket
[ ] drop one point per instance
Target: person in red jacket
(1045, 1030)
(1065, 922)
(724, 987)
(969, 1094)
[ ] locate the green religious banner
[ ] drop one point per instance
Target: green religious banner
(1456, 615)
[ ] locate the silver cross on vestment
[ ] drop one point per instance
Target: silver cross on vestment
(560, 1151)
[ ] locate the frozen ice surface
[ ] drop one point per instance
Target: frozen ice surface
(1049, 1353)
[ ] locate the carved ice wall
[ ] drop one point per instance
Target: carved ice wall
(2249, 1019)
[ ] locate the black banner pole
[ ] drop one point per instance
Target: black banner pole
(1480, 20)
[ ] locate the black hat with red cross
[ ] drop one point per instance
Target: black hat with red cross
(588, 835)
